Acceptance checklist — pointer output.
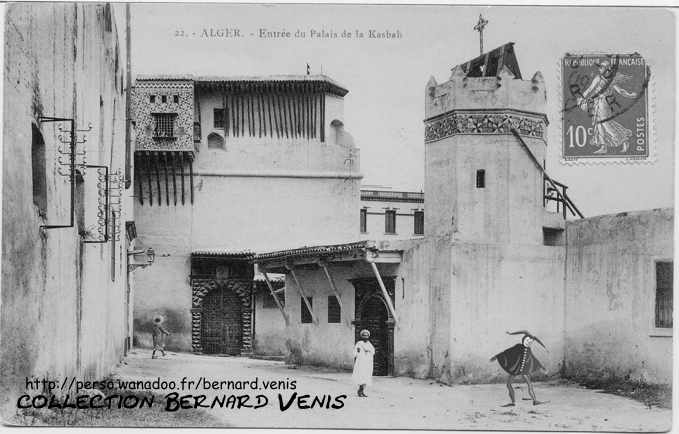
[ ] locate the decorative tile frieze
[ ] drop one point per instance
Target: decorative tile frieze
(484, 122)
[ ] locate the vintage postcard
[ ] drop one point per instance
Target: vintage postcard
(352, 216)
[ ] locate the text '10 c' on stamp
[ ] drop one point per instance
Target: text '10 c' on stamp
(605, 107)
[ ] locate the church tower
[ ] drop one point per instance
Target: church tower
(485, 145)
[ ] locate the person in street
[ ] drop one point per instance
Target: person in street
(519, 360)
(363, 363)
(159, 334)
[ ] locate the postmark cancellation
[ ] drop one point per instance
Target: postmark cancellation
(605, 109)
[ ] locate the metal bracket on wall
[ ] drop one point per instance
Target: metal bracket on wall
(71, 151)
(102, 214)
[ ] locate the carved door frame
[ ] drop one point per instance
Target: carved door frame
(242, 288)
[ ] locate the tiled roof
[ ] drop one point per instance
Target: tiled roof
(326, 83)
(327, 250)
(246, 254)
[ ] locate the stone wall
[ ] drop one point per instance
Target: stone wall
(255, 194)
(610, 307)
(63, 302)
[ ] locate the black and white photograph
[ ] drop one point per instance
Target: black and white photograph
(338, 216)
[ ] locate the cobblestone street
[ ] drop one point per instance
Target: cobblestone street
(399, 402)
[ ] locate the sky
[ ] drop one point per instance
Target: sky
(386, 78)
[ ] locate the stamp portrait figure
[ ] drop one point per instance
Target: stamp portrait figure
(598, 99)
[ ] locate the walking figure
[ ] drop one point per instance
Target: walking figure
(519, 360)
(363, 363)
(159, 334)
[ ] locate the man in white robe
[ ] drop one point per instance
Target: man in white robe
(363, 363)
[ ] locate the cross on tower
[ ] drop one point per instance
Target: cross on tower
(479, 28)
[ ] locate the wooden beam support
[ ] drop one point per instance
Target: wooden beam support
(137, 167)
(167, 179)
(174, 177)
(385, 294)
(191, 178)
(291, 269)
(156, 162)
(275, 297)
(181, 174)
(147, 165)
(333, 287)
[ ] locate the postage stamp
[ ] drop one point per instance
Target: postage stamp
(605, 107)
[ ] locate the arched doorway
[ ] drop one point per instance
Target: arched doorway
(220, 328)
(374, 316)
(372, 313)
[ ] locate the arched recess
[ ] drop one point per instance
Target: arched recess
(215, 141)
(372, 313)
(230, 291)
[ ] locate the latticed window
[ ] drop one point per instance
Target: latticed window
(419, 223)
(663, 294)
(164, 125)
(306, 315)
(218, 118)
(390, 221)
(334, 310)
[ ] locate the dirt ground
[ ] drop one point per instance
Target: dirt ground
(394, 403)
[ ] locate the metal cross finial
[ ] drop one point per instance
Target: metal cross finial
(479, 28)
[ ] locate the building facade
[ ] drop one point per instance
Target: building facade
(498, 254)
(390, 214)
(226, 167)
(66, 288)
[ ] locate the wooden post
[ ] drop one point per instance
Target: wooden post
(301, 293)
(384, 291)
(331, 281)
(275, 297)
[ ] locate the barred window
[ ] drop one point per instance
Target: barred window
(164, 125)
(663, 294)
(334, 310)
(218, 118)
(306, 315)
(419, 223)
(364, 220)
(152, 99)
(390, 221)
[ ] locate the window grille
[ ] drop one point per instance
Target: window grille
(663, 294)
(364, 222)
(152, 99)
(306, 315)
(419, 223)
(218, 118)
(164, 125)
(390, 222)
(334, 310)
(175, 99)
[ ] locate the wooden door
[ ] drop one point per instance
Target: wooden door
(373, 317)
(221, 328)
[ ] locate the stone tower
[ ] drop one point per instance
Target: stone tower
(494, 253)
(482, 185)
